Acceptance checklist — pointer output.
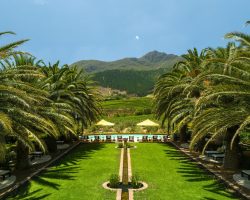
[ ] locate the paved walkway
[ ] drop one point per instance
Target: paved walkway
(130, 191)
(119, 191)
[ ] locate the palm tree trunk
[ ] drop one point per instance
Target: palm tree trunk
(22, 161)
(232, 156)
(183, 134)
(51, 144)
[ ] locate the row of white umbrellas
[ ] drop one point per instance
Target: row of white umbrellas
(146, 122)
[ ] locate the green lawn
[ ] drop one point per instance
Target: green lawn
(79, 176)
(172, 176)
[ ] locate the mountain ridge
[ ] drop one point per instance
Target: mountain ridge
(133, 75)
(150, 61)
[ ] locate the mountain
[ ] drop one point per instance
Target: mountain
(151, 61)
(157, 57)
(133, 75)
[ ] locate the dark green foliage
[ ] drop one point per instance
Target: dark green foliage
(146, 111)
(132, 81)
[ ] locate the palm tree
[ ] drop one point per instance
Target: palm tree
(39, 101)
(169, 100)
(192, 62)
(223, 108)
(175, 92)
(71, 89)
(22, 103)
(9, 49)
(226, 60)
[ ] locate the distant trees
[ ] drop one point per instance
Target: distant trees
(210, 93)
(39, 101)
(138, 82)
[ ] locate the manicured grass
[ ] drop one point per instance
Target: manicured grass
(79, 176)
(172, 176)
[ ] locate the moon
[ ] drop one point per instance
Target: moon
(137, 37)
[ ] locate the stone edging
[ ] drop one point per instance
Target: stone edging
(121, 165)
(145, 186)
(134, 147)
(105, 186)
(118, 190)
(130, 191)
(129, 166)
(229, 183)
(20, 183)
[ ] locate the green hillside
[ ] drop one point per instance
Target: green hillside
(151, 61)
(132, 104)
(133, 75)
(132, 81)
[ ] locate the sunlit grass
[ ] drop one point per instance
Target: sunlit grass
(171, 175)
(79, 176)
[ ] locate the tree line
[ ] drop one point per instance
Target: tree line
(208, 94)
(40, 103)
(138, 82)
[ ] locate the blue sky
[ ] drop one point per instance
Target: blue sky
(72, 30)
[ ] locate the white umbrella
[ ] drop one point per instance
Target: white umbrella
(147, 122)
(104, 123)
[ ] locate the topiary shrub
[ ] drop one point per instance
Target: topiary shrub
(114, 181)
(120, 145)
(135, 181)
(128, 145)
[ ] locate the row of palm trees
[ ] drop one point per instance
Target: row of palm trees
(208, 93)
(40, 103)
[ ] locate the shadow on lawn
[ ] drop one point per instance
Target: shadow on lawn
(194, 172)
(65, 169)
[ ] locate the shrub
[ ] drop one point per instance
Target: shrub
(128, 145)
(135, 181)
(114, 181)
(120, 145)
